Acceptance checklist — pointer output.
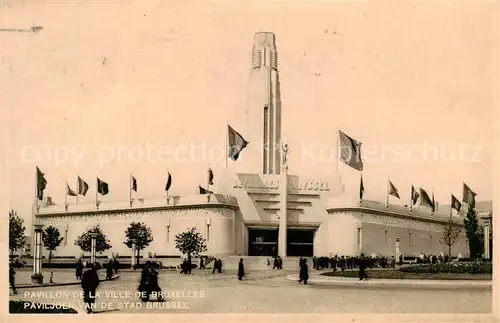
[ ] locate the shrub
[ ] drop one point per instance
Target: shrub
(453, 267)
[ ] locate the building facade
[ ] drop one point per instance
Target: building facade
(262, 210)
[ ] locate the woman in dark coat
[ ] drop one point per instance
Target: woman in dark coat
(304, 271)
(241, 269)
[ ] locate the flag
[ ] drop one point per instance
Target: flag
(350, 151)
(425, 199)
(169, 182)
(102, 187)
(393, 190)
(134, 184)
(83, 187)
(41, 183)
(210, 176)
(455, 203)
(361, 188)
(236, 143)
(202, 190)
(414, 195)
(69, 191)
(469, 194)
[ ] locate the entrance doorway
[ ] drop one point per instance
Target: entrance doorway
(262, 242)
(300, 243)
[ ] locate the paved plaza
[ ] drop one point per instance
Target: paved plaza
(261, 292)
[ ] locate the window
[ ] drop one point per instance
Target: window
(359, 237)
(265, 143)
(167, 233)
(208, 232)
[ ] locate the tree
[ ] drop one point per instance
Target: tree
(85, 241)
(139, 233)
(51, 240)
(472, 231)
(190, 243)
(451, 234)
(17, 238)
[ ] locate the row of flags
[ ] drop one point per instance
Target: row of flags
(350, 154)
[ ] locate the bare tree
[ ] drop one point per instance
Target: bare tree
(451, 234)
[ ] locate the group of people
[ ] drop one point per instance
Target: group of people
(349, 262)
(111, 268)
(277, 262)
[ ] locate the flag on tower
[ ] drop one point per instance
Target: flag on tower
(41, 183)
(69, 191)
(469, 195)
(393, 190)
(210, 176)
(169, 182)
(236, 143)
(414, 195)
(350, 151)
(455, 203)
(134, 184)
(425, 199)
(83, 187)
(361, 188)
(102, 187)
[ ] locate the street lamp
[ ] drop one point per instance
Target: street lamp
(93, 241)
(133, 263)
(37, 276)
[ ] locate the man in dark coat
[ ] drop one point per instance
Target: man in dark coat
(362, 267)
(202, 263)
(12, 278)
(90, 281)
(145, 282)
(116, 265)
(109, 270)
(304, 271)
(79, 269)
(241, 269)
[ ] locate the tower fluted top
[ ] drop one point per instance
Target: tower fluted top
(265, 39)
(264, 50)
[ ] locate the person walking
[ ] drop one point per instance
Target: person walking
(304, 271)
(79, 269)
(109, 270)
(12, 278)
(90, 281)
(145, 282)
(362, 268)
(202, 263)
(241, 269)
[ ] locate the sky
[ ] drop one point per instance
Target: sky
(105, 80)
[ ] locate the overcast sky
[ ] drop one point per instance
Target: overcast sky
(110, 76)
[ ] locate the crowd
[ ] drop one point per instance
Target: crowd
(353, 262)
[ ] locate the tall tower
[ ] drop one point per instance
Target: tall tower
(263, 113)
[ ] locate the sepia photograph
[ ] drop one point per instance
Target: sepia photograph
(216, 157)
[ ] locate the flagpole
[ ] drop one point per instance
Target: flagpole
(66, 195)
(338, 153)
(36, 190)
(97, 194)
(411, 199)
(451, 206)
(78, 189)
(208, 180)
(387, 194)
(130, 189)
(226, 145)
